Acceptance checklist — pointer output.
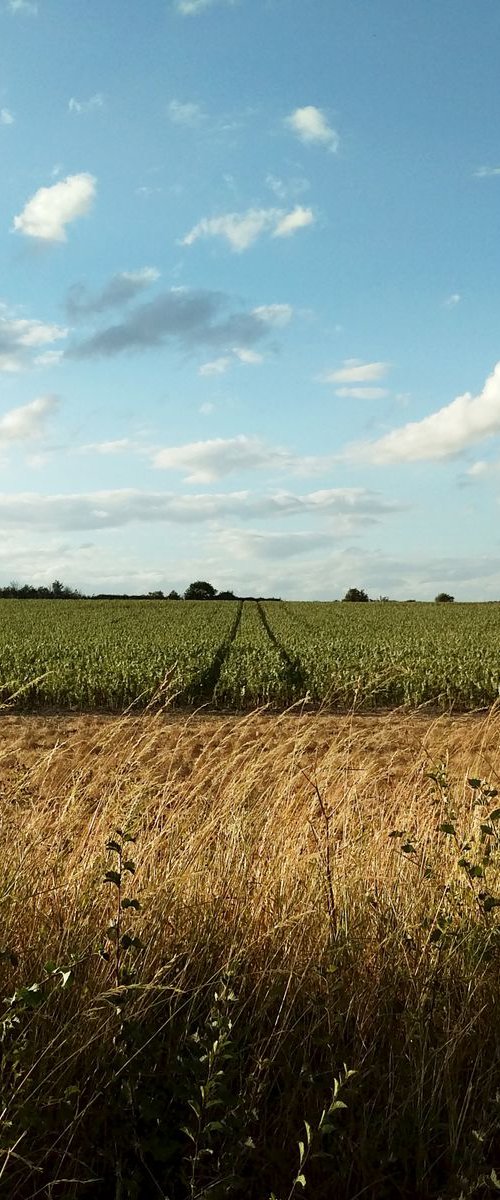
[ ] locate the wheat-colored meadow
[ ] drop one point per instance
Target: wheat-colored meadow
(279, 922)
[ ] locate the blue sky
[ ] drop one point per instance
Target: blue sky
(249, 319)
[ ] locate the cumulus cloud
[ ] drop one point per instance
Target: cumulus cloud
(86, 106)
(353, 370)
(191, 318)
(120, 290)
(242, 230)
(219, 366)
(118, 509)
(185, 114)
(20, 338)
(6, 117)
(48, 212)
(27, 423)
(445, 433)
(311, 125)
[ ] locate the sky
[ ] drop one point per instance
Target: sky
(249, 296)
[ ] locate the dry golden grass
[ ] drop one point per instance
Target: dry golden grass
(263, 852)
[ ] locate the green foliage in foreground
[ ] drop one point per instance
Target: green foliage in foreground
(111, 654)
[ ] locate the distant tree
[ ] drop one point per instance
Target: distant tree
(443, 598)
(226, 596)
(158, 595)
(173, 595)
(356, 595)
(200, 590)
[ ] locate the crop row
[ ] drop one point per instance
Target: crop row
(111, 654)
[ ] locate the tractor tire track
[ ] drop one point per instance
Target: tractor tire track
(294, 671)
(208, 679)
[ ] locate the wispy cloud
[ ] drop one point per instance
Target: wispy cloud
(276, 315)
(241, 230)
(129, 506)
(85, 106)
(189, 114)
(6, 117)
(453, 300)
(362, 393)
(445, 433)
(353, 370)
(51, 209)
(311, 126)
(21, 340)
(487, 172)
(121, 289)
(216, 458)
(218, 366)
(187, 317)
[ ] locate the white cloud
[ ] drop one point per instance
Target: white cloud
(311, 125)
(26, 423)
(241, 230)
(218, 366)
(6, 117)
(292, 221)
(362, 393)
(276, 315)
(108, 448)
(85, 106)
(20, 337)
(453, 300)
(355, 371)
(207, 408)
(207, 461)
(204, 462)
(48, 212)
(445, 433)
(250, 357)
(478, 469)
(185, 114)
(128, 506)
(487, 172)
(49, 358)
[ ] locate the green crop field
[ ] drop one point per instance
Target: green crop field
(110, 654)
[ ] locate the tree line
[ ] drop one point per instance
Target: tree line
(199, 590)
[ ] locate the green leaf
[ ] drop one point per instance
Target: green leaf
(113, 877)
(129, 866)
(474, 784)
(115, 846)
(447, 828)
(408, 848)
(131, 904)
(489, 903)
(495, 815)
(302, 1180)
